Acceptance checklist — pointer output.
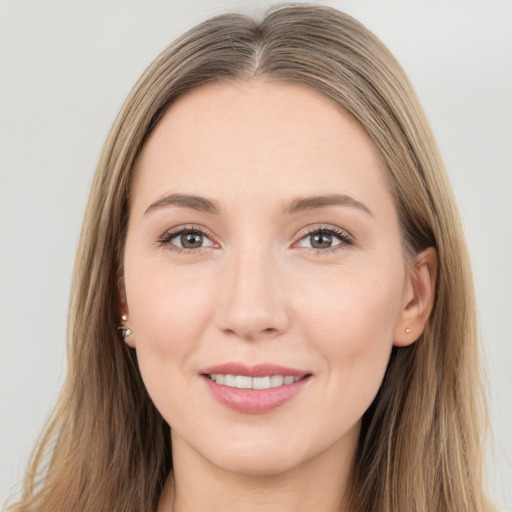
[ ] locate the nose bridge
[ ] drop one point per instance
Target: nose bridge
(253, 302)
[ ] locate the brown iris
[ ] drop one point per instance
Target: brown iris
(321, 240)
(191, 240)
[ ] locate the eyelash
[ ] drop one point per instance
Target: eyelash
(343, 236)
(165, 239)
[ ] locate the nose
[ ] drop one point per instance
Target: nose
(252, 302)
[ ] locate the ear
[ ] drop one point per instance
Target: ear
(418, 298)
(124, 312)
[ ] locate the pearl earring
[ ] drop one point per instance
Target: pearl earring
(407, 330)
(125, 331)
(124, 318)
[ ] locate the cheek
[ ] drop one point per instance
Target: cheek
(352, 324)
(353, 306)
(167, 306)
(168, 312)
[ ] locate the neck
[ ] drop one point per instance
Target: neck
(322, 483)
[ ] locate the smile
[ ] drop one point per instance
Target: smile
(255, 389)
(247, 382)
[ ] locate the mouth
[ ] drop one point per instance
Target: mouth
(254, 389)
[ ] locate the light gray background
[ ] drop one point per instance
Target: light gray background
(65, 69)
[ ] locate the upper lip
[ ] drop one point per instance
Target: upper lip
(258, 370)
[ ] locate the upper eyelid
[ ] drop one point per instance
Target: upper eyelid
(172, 232)
(322, 227)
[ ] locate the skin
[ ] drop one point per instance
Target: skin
(256, 291)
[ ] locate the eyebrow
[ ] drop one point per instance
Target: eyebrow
(198, 203)
(299, 204)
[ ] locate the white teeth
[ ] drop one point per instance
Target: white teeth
(260, 382)
(229, 380)
(276, 380)
(246, 382)
(242, 382)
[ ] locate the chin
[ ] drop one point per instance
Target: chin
(259, 455)
(261, 464)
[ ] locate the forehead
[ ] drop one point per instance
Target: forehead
(257, 139)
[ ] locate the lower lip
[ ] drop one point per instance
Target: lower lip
(255, 401)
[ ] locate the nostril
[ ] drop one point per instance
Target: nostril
(249, 334)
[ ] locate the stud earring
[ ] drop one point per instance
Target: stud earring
(407, 330)
(124, 318)
(125, 331)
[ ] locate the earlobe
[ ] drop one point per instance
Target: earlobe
(121, 294)
(418, 300)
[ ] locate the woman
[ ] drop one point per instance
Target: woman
(272, 305)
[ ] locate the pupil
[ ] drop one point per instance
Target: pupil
(191, 240)
(321, 241)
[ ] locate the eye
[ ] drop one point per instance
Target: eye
(186, 239)
(325, 238)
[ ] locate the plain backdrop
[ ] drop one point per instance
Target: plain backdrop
(65, 69)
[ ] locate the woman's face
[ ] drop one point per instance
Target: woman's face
(264, 277)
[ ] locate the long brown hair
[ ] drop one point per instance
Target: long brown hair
(107, 448)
